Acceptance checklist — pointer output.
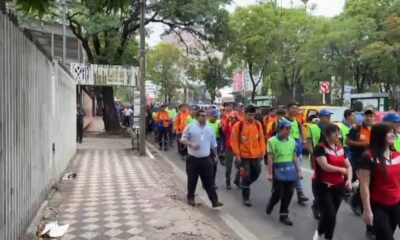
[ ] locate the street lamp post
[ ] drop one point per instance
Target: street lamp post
(142, 79)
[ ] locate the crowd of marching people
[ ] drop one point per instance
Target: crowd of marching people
(356, 162)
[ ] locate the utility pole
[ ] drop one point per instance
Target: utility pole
(142, 79)
(64, 39)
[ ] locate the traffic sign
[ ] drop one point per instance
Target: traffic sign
(324, 87)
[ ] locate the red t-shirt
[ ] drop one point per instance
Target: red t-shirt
(335, 157)
(385, 184)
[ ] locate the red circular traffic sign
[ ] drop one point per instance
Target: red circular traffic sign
(324, 87)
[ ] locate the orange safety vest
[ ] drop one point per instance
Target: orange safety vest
(180, 121)
(162, 117)
(363, 133)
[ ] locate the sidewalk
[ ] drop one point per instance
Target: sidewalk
(117, 195)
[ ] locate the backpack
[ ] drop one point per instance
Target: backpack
(259, 128)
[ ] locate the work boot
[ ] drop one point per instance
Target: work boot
(192, 203)
(285, 220)
(301, 198)
(217, 204)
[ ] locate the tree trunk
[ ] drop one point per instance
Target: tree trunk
(111, 122)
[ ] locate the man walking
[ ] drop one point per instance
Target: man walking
(282, 169)
(200, 139)
(162, 120)
(172, 114)
(297, 134)
(179, 126)
(248, 145)
(80, 114)
(215, 125)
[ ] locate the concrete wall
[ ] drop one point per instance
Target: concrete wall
(37, 128)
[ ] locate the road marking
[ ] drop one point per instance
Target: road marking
(150, 154)
(235, 225)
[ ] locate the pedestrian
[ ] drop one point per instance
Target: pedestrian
(162, 120)
(313, 139)
(193, 111)
(200, 140)
(379, 174)
(358, 141)
(215, 125)
(272, 127)
(332, 175)
(233, 118)
(248, 145)
(179, 126)
(394, 121)
(268, 120)
(80, 114)
(349, 121)
(172, 114)
(282, 170)
(240, 110)
(292, 110)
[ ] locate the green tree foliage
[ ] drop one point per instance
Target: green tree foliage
(163, 67)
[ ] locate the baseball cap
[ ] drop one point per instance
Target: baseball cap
(284, 124)
(369, 111)
(391, 117)
(214, 113)
(324, 113)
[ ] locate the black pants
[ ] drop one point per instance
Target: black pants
(163, 137)
(386, 219)
(282, 191)
(329, 200)
(228, 165)
(171, 135)
(79, 129)
(253, 169)
(200, 167)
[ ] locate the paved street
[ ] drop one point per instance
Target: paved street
(262, 226)
(118, 195)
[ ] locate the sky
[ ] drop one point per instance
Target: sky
(327, 8)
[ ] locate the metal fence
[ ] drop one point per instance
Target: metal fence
(37, 128)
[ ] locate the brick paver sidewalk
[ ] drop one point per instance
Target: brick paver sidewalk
(117, 195)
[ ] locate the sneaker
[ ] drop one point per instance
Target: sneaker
(317, 236)
(247, 203)
(165, 149)
(228, 186)
(286, 220)
(160, 148)
(217, 204)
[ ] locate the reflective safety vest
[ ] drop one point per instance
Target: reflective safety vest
(295, 131)
(344, 131)
(314, 134)
(283, 150)
(215, 127)
(397, 142)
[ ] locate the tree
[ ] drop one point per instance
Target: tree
(213, 73)
(164, 67)
(251, 40)
(100, 23)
